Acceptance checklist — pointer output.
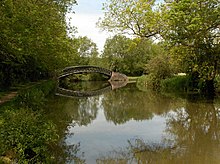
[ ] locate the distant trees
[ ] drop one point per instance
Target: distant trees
(87, 51)
(33, 39)
(127, 55)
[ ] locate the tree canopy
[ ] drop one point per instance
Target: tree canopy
(192, 30)
(33, 39)
(128, 55)
(134, 17)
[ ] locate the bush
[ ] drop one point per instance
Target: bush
(26, 136)
(160, 67)
(149, 81)
(175, 84)
(35, 97)
(217, 83)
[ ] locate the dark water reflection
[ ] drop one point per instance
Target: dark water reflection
(132, 126)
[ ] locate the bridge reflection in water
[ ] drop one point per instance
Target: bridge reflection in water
(116, 80)
(77, 93)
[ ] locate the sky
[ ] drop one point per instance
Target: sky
(87, 13)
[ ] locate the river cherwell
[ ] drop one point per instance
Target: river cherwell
(133, 125)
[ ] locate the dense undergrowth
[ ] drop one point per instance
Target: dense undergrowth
(174, 84)
(27, 136)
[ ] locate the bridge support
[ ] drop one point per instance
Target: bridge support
(118, 77)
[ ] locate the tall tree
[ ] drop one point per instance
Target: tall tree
(134, 17)
(192, 30)
(87, 51)
(33, 39)
(127, 55)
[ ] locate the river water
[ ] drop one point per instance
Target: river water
(133, 125)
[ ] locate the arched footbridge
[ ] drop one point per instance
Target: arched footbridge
(116, 80)
(113, 76)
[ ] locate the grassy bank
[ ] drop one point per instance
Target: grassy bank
(26, 134)
(133, 78)
(178, 84)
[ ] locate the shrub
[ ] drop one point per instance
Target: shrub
(35, 96)
(160, 67)
(217, 83)
(175, 84)
(149, 81)
(26, 136)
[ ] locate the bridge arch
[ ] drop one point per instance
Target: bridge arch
(113, 76)
(84, 69)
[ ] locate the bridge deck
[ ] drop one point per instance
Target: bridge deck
(84, 69)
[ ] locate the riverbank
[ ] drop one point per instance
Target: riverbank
(26, 134)
(7, 95)
(175, 84)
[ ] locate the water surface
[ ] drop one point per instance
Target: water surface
(128, 125)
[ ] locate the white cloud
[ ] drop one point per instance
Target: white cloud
(86, 26)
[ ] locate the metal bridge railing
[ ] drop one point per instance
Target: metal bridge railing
(84, 69)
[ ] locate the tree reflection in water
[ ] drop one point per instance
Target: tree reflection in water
(129, 103)
(193, 137)
(192, 126)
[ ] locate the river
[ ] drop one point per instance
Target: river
(133, 125)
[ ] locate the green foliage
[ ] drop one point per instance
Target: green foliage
(26, 135)
(191, 30)
(217, 83)
(33, 40)
(134, 17)
(158, 68)
(128, 56)
(175, 84)
(35, 97)
(149, 82)
(87, 51)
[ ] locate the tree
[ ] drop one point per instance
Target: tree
(87, 51)
(127, 55)
(134, 17)
(115, 49)
(191, 28)
(140, 52)
(33, 39)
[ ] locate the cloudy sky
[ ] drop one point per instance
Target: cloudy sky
(87, 13)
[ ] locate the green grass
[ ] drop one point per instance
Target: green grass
(133, 78)
(175, 84)
(2, 94)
